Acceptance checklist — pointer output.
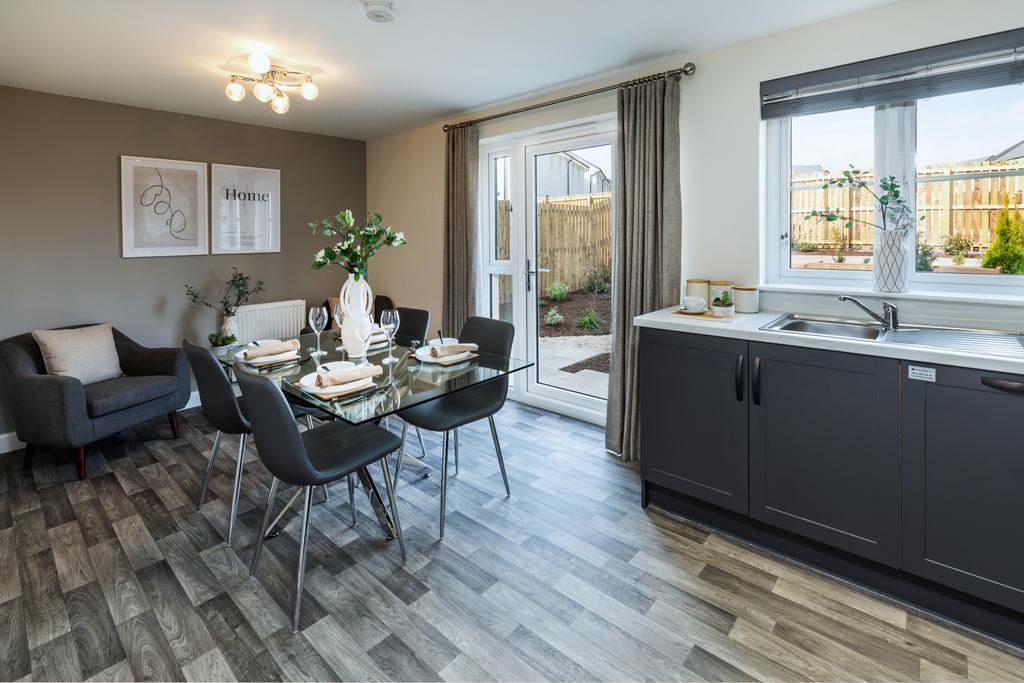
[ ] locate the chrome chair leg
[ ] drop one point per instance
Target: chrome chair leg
(456, 430)
(309, 421)
(444, 478)
(327, 494)
(301, 580)
(263, 528)
(501, 460)
(238, 488)
(394, 505)
(352, 496)
(401, 452)
(209, 470)
(419, 435)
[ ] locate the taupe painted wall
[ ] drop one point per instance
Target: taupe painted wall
(60, 215)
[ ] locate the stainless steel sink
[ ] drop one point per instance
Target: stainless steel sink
(826, 327)
(982, 342)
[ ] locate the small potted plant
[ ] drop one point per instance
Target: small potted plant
(722, 306)
(237, 292)
(220, 341)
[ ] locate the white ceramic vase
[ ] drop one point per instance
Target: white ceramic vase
(356, 304)
(892, 261)
(229, 326)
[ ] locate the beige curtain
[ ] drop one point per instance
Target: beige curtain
(647, 240)
(462, 149)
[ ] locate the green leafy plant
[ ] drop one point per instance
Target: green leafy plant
(839, 257)
(957, 245)
(958, 259)
(895, 211)
(553, 317)
(357, 243)
(589, 320)
(723, 300)
(1007, 250)
(924, 256)
(598, 280)
(867, 259)
(557, 291)
(805, 247)
(218, 339)
(237, 292)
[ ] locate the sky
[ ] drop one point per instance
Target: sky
(600, 156)
(950, 128)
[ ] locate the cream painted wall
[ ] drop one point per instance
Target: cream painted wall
(720, 133)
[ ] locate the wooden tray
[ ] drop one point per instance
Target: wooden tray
(703, 315)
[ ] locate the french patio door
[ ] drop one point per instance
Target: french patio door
(548, 257)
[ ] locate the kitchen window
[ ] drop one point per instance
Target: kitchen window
(947, 122)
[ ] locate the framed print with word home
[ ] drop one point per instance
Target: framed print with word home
(246, 209)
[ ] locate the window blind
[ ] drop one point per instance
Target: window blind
(973, 64)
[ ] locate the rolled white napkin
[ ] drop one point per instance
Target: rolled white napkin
(254, 352)
(442, 350)
(332, 379)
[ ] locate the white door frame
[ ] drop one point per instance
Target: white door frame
(523, 150)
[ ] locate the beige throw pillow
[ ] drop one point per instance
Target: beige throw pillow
(86, 353)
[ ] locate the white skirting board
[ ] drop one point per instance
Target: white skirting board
(9, 441)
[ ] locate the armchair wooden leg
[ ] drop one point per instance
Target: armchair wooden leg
(172, 417)
(30, 451)
(80, 461)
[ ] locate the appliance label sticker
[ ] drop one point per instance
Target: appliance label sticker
(921, 374)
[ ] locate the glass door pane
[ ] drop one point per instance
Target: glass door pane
(572, 257)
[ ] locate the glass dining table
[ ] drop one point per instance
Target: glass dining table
(403, 384)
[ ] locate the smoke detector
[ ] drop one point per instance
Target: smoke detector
(381, 11)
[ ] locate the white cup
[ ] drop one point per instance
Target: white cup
(694, 303)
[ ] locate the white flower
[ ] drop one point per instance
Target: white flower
(321, 255)
(400, 237)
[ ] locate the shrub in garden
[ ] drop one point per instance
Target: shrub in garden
(1007, 250)
(557, 291)
(924, 256)
(598, 280)
(589, 320)
(957, 245)
(553, 317)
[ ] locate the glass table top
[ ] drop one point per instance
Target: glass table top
(402, 385)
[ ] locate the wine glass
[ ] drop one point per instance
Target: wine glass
(363, 333)
(318, 321)
(389, 322)
(339, 315)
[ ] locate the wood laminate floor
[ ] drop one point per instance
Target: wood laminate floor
(118, 577)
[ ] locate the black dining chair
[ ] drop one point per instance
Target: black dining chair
(227, 414)
(413, 326)
(308, 459)
(451, 411)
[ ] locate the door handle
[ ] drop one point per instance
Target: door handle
(739, 377)
(533, 272)
(757, 381)
(1003, 384)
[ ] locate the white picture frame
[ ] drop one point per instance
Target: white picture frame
(164, 210)
(245, 209)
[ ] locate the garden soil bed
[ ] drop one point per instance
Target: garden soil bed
(574, 306)
(598, 363)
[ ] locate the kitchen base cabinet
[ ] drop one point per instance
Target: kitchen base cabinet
(963, 480)
(693, 417)
(824, 447)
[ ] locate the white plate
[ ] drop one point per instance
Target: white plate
(309, 381)
(364, 383)
(288, 355)
(423, 354)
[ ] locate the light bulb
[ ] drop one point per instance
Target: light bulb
(263, 91)
(280, 103)
(259, 62)
(309, 90)
(235, 91)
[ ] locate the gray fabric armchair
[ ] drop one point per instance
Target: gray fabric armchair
(59, 412)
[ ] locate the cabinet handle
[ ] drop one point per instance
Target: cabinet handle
(739, 377)
(757, 381)
(1003, 384)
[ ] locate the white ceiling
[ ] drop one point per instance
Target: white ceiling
(440, 57)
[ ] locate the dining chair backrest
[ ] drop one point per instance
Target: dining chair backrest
(215, 390)
(493, 337)
(381, 303)
(278, 442)
(413, 325)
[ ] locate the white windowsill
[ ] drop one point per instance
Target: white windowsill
(919, 295)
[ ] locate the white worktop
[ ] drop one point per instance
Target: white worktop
(748, 326)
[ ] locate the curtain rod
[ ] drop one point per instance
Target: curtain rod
(687, 70)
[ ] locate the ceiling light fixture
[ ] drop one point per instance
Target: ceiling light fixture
(381, 11)
(270, 83)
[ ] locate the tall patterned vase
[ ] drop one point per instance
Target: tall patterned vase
(892, 261)
(356, 304)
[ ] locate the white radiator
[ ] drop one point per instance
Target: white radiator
(272, 320)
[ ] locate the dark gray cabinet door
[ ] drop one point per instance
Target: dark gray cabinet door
(693, 415)
(963, 480)
(824, 447)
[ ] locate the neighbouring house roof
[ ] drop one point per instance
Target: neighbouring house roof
(1015, 151)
